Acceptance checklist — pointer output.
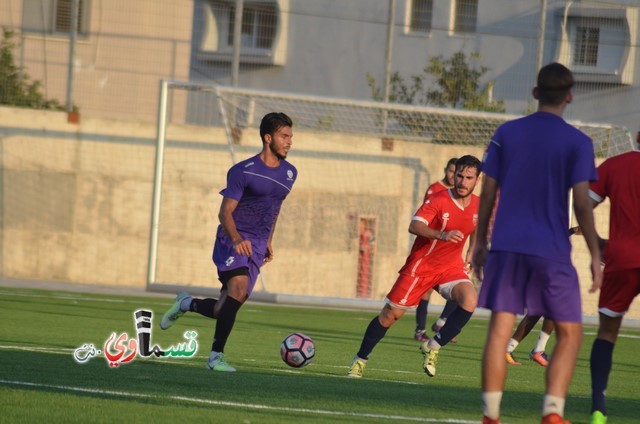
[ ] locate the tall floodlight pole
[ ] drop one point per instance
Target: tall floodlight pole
(237, 34)
(387, 72)
(541, 31)
(73, 30)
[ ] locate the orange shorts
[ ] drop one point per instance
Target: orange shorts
(408, 290)
(619, 288)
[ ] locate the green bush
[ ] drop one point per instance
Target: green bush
(16, 89)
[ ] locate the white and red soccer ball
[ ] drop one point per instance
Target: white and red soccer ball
(297, 350)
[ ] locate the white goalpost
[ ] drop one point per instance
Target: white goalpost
(363, 169)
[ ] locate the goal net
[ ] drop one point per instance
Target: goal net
(363, 170)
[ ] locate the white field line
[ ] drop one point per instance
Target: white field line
(239, 405)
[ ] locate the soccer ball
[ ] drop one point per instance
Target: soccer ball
(297, 350)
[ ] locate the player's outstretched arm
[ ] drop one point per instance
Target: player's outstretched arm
(583, 209)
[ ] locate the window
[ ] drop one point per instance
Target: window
(466, 15)
(421, 14)
(53, 16)
(596, 42)
(586, 46)
(259, 23)
(62, 20)
(264, 31)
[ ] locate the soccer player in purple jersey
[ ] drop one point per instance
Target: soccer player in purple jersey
(256, 188)
(529, 266)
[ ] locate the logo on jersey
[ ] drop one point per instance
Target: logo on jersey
(475, 219)
(445, 216)
(229, 261)
(289, 175)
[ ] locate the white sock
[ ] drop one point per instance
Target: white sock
(440, 322)
(553, 404)
(513, 344)
(491, 404)
(433, 345)
(214, 355)
(542, 342)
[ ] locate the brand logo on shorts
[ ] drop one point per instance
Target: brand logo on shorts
(229, 260)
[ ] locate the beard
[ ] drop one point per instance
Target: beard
(462, 194)
(276, 153)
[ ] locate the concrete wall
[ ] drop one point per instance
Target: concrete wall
(76, 204)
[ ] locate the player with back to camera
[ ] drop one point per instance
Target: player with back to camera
(420, 334)
(619, 180)
(256, 188)
(441, 225)
(523, 329)
(534, 161)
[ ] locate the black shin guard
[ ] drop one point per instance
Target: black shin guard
(458, 319)
(226, 319)
(203, 307)
(375, 332)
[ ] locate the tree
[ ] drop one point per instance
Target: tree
(456, 83)
(16, 89)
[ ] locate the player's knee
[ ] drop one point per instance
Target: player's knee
(569, 333)
(465, 296)
(389, 315)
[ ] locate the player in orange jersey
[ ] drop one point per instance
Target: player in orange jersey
(619, 180)
(420, 334)
(441, 226)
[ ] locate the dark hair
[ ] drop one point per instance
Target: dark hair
(452, 161)
(271, 122)
(468, 161)
(554, 83)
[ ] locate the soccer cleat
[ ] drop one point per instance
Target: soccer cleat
(511, 360)
(435, 328)
(598, 418)
(357, 367)
(174, 312)
(219, 364)
(539, 357)
(421, 336)
(553, 419)
(430, 359)
(487, 420)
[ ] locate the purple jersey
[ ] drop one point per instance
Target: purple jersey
(536, 160)
(260, 191)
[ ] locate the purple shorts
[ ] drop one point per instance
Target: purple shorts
(514, 282)
(226, 259)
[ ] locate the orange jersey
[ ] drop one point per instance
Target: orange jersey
(434, 188)
(619, 179)
(443, 213)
